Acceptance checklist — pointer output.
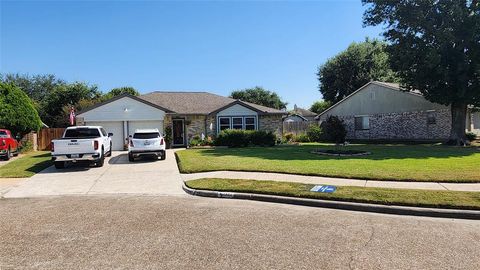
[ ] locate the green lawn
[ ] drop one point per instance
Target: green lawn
(387, 162)
(27, 165)
(405, 197)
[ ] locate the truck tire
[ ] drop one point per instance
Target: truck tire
(164, 155)
(110, 151)
(59, 164)
(131, 158)
(101, 161)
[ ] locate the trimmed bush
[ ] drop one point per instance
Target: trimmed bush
(314, 133)
(301, 138)
(262, 138)
(334, 130)
(244, 138)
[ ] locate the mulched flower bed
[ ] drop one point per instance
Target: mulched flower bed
(341, 153)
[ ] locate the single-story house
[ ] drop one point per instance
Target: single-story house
(187, 113)
(300, 115)
(380, 110)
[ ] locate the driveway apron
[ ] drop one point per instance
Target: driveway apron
(117, 176)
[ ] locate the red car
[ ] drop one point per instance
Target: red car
(8, 144)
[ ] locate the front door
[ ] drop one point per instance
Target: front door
(178, 132)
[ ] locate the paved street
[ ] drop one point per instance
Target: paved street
(180, 232)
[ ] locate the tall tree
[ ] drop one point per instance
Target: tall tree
(66, 96)
(260, 96)
(37, 87)
(120, 91)
(435, 47)
(320, 106)
(349, 70)
(17, 112)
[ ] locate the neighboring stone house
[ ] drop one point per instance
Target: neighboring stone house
(383, 111)
(187, 113)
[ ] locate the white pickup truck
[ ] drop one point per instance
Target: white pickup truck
(146, 142)
(82, 143)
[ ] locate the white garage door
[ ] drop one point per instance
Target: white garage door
(133, 125)
(115, 127)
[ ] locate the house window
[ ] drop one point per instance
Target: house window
(431, 119)
(224, 123)
(250, 123)
(237, 122)
(362, 123)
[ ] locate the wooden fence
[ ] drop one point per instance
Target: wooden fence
(46, 135)
(296, 127)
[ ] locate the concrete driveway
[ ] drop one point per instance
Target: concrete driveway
(117, 176)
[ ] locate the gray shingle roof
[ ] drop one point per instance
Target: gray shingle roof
(197, 102)
(304, 112)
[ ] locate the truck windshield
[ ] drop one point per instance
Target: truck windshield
(151, 135)
(82, 133)
(3, 134)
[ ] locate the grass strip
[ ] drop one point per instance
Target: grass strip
(26, 165)
(386, 196)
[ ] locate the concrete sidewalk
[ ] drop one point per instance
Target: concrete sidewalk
(333, 181)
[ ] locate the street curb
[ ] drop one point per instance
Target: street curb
(362, 207)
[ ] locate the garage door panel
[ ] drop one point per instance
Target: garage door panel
(115, 127)
(133, 125)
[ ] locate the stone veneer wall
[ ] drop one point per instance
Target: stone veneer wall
(271, 123)
(195, 126)
(402, 126)
(212, 126)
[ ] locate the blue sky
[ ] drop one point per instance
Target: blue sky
(214, 46)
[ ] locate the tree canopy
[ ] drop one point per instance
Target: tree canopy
(349, 70)
(434, 45)
(53, 97)
(17, 112)
(260, 96)
(320, 106)
(120, 91)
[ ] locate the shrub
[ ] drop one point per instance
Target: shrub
(261, 137)
(243, 138)
(471, 136)
(289, 137)
(168, 136)
(17, 111)
(232, 138)
(334, 130)
(197, 141)
(301, 138)
(26, 146)
(314, 133)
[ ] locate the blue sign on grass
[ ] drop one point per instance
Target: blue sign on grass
(324, 189)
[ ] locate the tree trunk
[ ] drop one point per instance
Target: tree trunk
(459, 117)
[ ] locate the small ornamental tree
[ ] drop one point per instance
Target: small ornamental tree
(334, 130)
(17, 112)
